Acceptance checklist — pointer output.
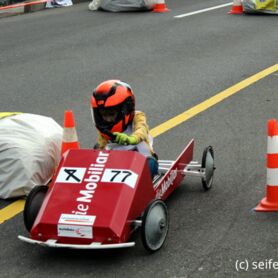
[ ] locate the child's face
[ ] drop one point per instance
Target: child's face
(108, 115)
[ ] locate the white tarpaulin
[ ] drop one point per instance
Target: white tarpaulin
(122, 5)
(58, 3)
(29, 152)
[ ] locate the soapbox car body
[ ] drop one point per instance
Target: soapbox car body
(97, 199)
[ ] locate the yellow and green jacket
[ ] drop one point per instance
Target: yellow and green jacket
(140, 130)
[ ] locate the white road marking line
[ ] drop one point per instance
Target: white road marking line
(204, 10)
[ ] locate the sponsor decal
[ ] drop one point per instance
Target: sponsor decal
(120, 176)
(73, 219)
(167, 183)
(75, 231)
(92, 177)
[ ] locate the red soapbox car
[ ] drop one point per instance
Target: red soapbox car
(97, 199)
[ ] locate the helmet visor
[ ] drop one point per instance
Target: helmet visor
(108, 115)
(106, 118)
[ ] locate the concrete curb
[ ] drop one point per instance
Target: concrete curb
(28, 6)
(34, 8)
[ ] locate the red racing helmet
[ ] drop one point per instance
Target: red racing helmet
(116, 95)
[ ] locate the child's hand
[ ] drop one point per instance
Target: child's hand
(123, 139)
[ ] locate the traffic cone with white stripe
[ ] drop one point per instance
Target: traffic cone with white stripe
(160, 7)
(70, 140)
(236, 8)
(270, 202)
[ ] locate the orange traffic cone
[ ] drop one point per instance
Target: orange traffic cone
(70, 140)
(160, 7)
(270, 202)
(236, 8)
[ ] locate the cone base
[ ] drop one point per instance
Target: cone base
(160, 8)
(236, 10)
(69, 146)
(266, 206)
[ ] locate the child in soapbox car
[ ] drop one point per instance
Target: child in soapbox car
(98, 198)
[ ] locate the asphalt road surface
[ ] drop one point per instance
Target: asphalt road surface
(51, 60)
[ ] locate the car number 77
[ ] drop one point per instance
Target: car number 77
(120, 176)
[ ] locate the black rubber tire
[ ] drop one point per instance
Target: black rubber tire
(33, 204)
(208, 164)
(155, 225)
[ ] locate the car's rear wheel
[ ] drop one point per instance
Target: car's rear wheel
(208, 165)
(33, 204)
